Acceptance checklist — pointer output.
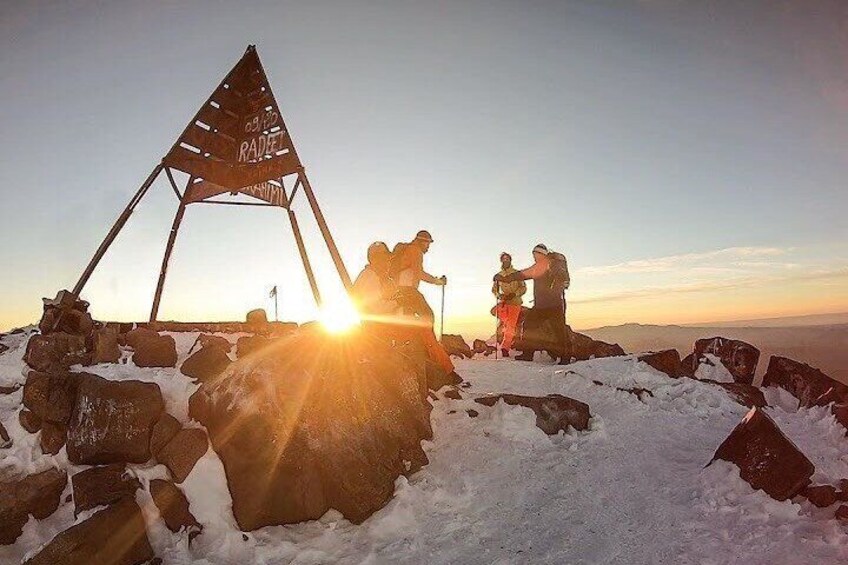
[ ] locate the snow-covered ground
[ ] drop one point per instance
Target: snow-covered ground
(632, 489)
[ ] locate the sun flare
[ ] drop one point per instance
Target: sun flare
(339, 317)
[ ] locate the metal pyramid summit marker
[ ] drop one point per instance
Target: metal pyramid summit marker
(237, 143)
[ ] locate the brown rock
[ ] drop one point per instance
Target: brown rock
(173, 506)
(842, 512)
(50, 396)
(53, 437)
(324, 426)
(29, 421)
(183, 452)
(766, 458)
(453, 394)
(156, 352)
(206, 340)
(205, 364)
(55, 352)
(250, 343)
(106, 348)
(820, 495)
(37, 494)
(472, 413)
(554, 412)
(840, 414)
(163, 432)
(688, 366)
(112, 421)
(738, 357)
(667, 361)
(746, 395)
(9, 389)
(809, 385)
(584, 347)
(115, 536)
(102, 486)
(134, 337)
(5, 440)
(456, 346)
(257, 317)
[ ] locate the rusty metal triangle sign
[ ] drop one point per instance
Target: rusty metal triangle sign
(238, 141)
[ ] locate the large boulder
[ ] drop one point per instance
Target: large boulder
(56, 352)
(173, 507)
(66, 314)
(584, 347)
(53, 437)
(205, 364)
(182, 452)
(112, 421)
(455, 345)
(666, 361)
(744, 394)
(102, 486)
(766, 458)
(257, 321)
(738, 357)
(164, 430)
(116, 535)
(137, 335)
(207, 340)
(29, 421)
(160, 351)
(315, 422)
(554, 412)
(37, 494)
(809, 385)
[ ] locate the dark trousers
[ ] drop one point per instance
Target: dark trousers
(545, 328)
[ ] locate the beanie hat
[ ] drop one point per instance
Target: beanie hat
(541, 248)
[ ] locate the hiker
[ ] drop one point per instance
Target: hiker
(550, 279)
(406, 272)
(508, 308)
(372, 289)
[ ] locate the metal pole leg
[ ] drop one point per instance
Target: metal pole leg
(325, 231)
(172, 237)
(306, 265)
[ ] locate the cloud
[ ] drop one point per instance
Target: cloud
(669, 263)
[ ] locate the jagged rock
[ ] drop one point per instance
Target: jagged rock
(66, 313)
(554, 412)
(156, 352)
(206, 340)
(840, 414)
(744, 394)
(584, 347)
(841, 512)
(250, 343)
(322, 422)
(10, 389)
(766, 458)
(135, 336)
(809, 385)
(36, 494)
(820, 495)
(205, 364)
(688, 366)
(51, 397)
(94, 540)
(173, 506)
(163, 432)
(102, 486)
(480, 346)
(29, 421)
(3, 348)
(5, 440)
(472, 413)
(106, 348)
(183, 451)
(53, 437)
(112, 421)
(455, 345)
(453, 394)
(738, 357)
(55, 352)
(667, 361)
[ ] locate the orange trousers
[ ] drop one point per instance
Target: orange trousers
(508, 315)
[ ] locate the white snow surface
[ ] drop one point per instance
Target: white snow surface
(632, 489)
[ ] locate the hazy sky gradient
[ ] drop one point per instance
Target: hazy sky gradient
(689, 157)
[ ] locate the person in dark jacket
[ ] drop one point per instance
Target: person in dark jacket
(548, 306)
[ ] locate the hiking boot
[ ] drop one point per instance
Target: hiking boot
(505, 353)
(526, 356)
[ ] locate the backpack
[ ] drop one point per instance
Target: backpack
(559, 271)
(396, 261)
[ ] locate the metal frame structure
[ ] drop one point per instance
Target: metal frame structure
(237, 143)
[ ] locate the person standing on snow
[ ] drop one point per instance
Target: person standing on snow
(407, 271)
(508, 308)
(550, 280)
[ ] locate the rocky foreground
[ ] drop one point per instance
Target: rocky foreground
(127, 445)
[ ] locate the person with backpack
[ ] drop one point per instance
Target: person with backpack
(406, 272)
(550, 280)
(508, 308)
(372, 288)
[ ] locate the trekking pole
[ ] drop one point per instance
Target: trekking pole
(442, 317)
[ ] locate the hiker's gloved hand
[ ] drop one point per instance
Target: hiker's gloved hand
(443, 280)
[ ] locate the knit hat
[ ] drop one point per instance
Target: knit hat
(541, 248)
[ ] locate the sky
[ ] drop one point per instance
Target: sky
(689, 158)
